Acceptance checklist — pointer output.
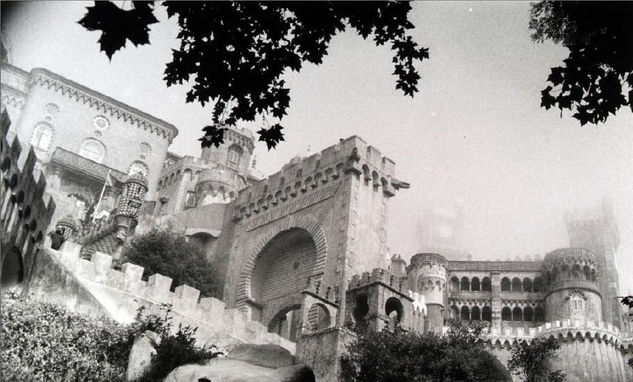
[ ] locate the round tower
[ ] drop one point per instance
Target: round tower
(236, 152)
(571, 285)
(217, 185)
(427, 276)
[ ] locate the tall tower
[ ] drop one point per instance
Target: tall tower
(427, 276)
(596, 230)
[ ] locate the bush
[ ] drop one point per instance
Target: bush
(409, 356)
(174, 350)
(170, 254)
(45, 342)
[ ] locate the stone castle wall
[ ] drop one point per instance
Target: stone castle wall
(339, 196)
(94, 287)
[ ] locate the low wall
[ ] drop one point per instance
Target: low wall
(94, 287)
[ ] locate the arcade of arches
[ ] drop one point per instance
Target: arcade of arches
(280, 273)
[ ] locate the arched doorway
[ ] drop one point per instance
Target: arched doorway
(12, 270)
(281, 272)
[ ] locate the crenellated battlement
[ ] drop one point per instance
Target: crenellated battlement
(379, 275)
(327, 294)
(303, 175)
(209, 313)
(570, 330)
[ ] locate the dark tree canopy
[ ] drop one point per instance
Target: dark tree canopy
(597, 76)
(531, 361)
(409, 356)
(169, 254)
(236, 53)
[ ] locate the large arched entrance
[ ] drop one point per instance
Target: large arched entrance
(12, 269)
(280, 273)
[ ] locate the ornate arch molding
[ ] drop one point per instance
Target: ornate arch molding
(307, 223)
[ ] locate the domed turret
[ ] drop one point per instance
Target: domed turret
(571, 285)
(427, 276)
(68, 225)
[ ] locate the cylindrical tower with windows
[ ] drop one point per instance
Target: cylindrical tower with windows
(571, 285)
(236, 152)
(427, 276)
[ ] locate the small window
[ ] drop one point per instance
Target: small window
(42, 137)
(101, 122)
(190, 201)
(233, 156)
(93, 150)
(577, 303)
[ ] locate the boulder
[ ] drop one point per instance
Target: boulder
(231, 370)
(272, 356)
(140, 358)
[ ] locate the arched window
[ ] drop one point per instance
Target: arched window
(465, 285)
(538, 285)
(394, 310)
(486, 286)
(475, 314)
(506, 314)
(138, 167)
(474, 286)
(233, 156)
(454, 311)
(42, 136)
(577, 303)
(539, 314)
(517, 314)
(516, 284)
(93, 150)
(506, 286)
(465, 313)
(528, 314)
(454, 284)
(527, 285)
(486, 313)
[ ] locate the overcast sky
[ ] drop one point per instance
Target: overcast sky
(474, 137)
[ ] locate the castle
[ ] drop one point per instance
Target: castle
(301, 253)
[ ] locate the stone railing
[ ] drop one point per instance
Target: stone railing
(185, 301)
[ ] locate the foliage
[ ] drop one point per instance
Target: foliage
(410, 356)
(170, 254)
(531, 360)
(599, 69)
(236, 53)
(45, 342)
(174, 349)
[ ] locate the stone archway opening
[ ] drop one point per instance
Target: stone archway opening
(318, 317)
(12, 270)
(286, 323)
(394, 311)
(281, 272)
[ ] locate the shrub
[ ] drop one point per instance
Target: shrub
(171, 255)
(409, 356)
(174, 349)
(45, 342)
